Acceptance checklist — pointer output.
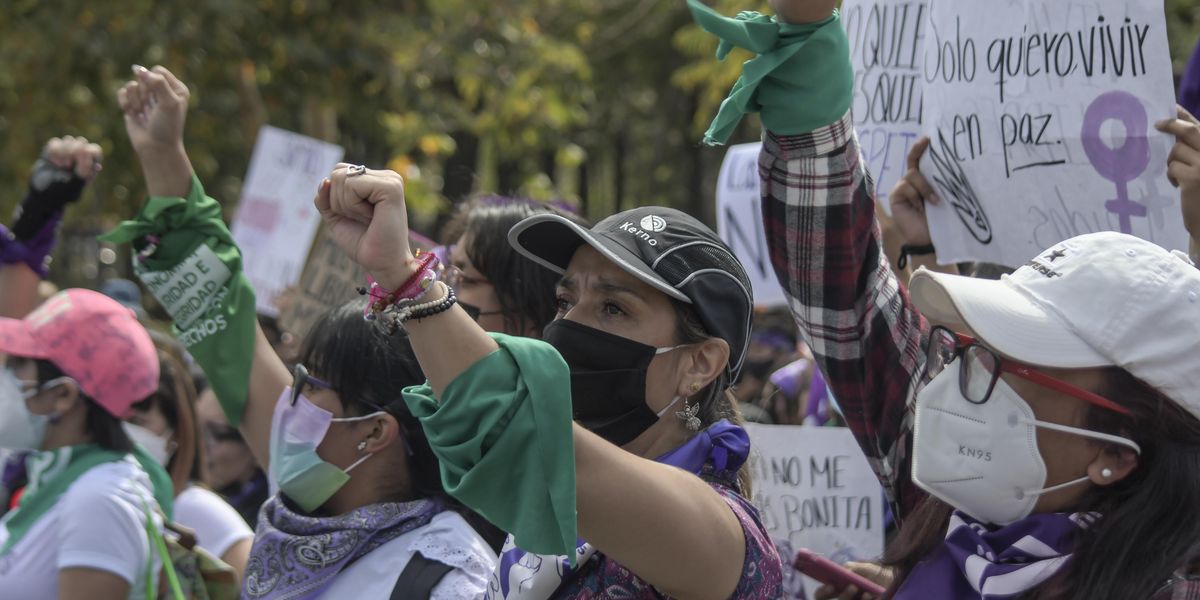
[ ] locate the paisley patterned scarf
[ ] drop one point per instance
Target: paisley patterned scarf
(297, 556)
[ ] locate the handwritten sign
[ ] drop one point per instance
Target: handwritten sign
(814, 489)
(1040, 117)
(740, 223)
(329, 279)
(887, 40)
(275, 221)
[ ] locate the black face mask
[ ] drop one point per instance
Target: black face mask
(608, 379)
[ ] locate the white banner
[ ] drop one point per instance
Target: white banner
(740, 224)
(814, 489)
(887, 40)
(1041, 115)
(275, 221)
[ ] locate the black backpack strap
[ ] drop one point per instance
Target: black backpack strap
(419, 578)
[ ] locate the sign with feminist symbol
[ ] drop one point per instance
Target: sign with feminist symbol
(1041, 119)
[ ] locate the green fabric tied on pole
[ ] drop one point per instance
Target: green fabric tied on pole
(194, 269)
(503, 436)
(800, 80)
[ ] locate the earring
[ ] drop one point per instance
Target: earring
(689, 416)
(694, 387)
(362, 446)
(1106, 473)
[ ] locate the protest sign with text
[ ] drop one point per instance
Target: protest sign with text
(740, 224)
(887, 39)
(814, 489)
(275, 221)
(1041, 118)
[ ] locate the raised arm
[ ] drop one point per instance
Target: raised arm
(908, 200)
(67, 164)
(155, 104)
(852, 310)
(482, 390)
(1183, 169)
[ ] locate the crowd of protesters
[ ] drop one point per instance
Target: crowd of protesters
(556, 409)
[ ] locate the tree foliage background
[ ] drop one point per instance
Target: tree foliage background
(598, 102)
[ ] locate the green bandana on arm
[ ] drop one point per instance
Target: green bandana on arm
(195, 272)
(800, 80)
(505, 443)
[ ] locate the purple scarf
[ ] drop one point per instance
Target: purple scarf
(718, 451)
(35, 252)
(297, 556)
(978, 563)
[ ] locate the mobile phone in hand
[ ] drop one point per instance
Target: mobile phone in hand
(830, 573)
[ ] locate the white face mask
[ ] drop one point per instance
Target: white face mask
(157, 446)
(19, 428)
(983, 459)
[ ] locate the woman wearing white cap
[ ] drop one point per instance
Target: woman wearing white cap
(1039, 436)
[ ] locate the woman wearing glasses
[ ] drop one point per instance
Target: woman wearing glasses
(1038, 436)
(503, 291)
(357, 509)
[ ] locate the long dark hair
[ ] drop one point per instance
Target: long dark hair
(368, 368)
(105, 429)
(176, 399)
(524, 288)
(1141, 537)
(716, 399)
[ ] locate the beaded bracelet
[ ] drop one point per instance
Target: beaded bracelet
(395, 317)
(446, 304)
(424, 275)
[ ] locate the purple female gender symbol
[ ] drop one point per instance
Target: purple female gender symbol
(1118, 165)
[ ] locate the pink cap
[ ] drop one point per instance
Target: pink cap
(92, 339)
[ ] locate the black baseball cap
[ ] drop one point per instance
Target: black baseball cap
(669, 250)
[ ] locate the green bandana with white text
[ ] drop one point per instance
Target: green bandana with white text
(195, 272)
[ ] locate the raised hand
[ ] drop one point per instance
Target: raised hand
(1183, 165)
(366, 215)
(908, 199)
(74, 154)
(155, 107)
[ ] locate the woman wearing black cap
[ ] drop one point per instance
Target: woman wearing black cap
(654, 315)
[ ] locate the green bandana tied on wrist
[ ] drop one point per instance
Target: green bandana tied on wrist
(503, 436)
(800, 80)
(188, 260)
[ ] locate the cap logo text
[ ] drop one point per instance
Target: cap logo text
(628, 227)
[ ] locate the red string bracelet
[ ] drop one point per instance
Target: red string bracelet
(424, 275)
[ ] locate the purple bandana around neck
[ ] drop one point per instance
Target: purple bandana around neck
(978, 563)
(297, 556)
(723, 447)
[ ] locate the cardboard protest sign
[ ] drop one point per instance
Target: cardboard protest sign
(275, 221)
(330, 279)
(814, 489)
(740, 224)
(1041, 118)
(887, 40)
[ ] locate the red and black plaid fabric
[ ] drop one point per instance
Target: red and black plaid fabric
(819, 213)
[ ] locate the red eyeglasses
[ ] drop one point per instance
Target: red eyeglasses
(982, 368)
